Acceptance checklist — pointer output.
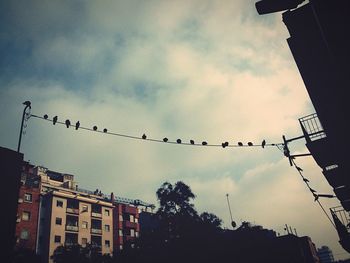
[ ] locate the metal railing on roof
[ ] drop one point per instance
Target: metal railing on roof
(117, 199)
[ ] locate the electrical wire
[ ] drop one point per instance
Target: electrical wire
(178, 142)
(312, 191)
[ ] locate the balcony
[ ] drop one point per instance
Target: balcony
(129, 224)
(130, 210)
(72, 228)
(73, 210)
(96, 231)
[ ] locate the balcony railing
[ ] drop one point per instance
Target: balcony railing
(129, 224)
(96, 231)
(312, 127)
(95, 214)
(72, 228)
(72, 210)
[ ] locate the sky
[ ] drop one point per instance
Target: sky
(205, 70)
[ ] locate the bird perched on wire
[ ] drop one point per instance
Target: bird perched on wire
(250, 144)
(54, 120)
(306, 180)
(263, 143)
(67, 123)
(46, 116)
(240, 144)
(204, 143)
(224, 144)
(192, 142)
(144, 136)
(165, 139)
(299, 169)
(104, 130)
(94, 128)
(77, 125)
(178, 140)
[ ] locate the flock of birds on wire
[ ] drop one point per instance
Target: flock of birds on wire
(192, 142)
(144, 136)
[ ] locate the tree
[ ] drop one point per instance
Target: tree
(210, 220)
(77, 254)
(175, 200)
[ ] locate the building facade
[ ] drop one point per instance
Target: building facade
(53, 211)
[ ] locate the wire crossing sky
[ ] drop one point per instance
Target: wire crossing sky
(225, 144)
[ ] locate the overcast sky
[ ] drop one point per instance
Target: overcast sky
(201, 70)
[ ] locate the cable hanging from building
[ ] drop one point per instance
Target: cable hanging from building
(284, 148)
(55, 120)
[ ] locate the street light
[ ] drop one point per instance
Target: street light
(272, 6)
(27, 105)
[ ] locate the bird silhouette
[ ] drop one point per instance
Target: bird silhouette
(299, 169)
(104, 130)
(27, 103)
(306, 180)
(165, 139)
(316, 197)
(312, 190)
(263, 143)
(191, 141)
(77, 125)
(67, 123)
(45, 116)
(94, 128)
(144, 136)
(240, 144)
(204, 143)
(178, 140)
(250, 144)
(54, 120)
(223, 145)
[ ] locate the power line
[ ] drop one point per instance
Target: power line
(225, 144)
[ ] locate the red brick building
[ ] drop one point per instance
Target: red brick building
(125, 224)
(27, 216)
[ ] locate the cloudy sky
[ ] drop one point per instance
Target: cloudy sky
(198, 69)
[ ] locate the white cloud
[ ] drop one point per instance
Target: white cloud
(202, 70)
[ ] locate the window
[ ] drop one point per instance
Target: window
(84, 224)
(84, 208)
(106, 212)
(59, 203)
(131, 218)
(58, 221)
(136, 220)
(132, 232)
(136, 234)
(24, 234)
(120, 218)
(83, 242)
(121, 247)
(120, 232)
(107, 228)
(28, 197)
(25, 216)
(57, 239)
(107, 243)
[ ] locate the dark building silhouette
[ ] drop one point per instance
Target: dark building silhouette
(11, 166)
(320, 43)
(255, 244)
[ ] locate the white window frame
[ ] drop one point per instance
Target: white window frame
(26, 199)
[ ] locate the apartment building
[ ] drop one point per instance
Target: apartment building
(53, 211)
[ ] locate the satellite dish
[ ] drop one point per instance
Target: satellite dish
(233, 224)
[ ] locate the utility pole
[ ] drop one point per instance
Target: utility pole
(28, 105)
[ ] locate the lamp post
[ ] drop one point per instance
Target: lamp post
(27, 105)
